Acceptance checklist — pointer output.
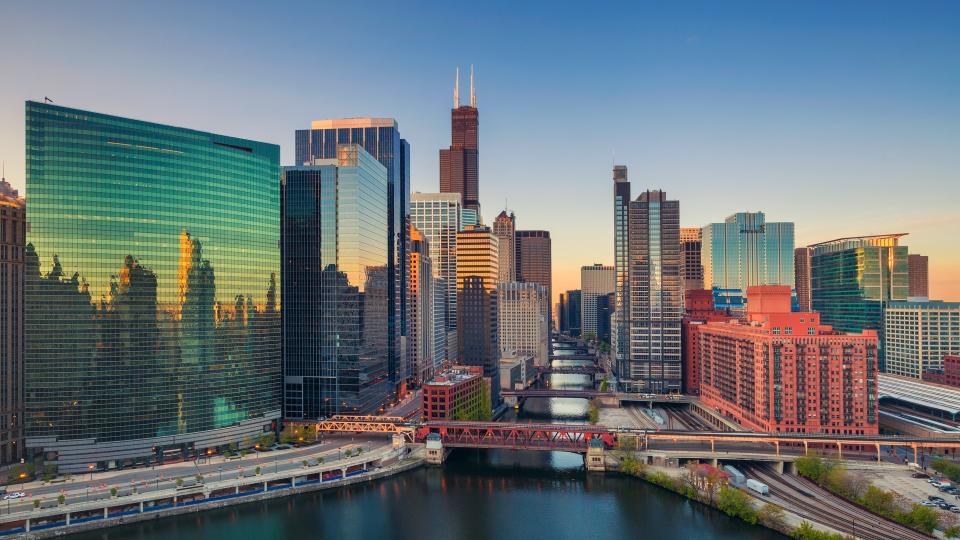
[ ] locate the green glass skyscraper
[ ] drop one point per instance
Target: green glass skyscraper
(152, 316)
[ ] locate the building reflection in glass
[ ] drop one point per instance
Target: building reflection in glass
(335, 286)
(151, 310)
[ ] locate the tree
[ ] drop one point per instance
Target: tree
(594, 410)
(772, 516)
(922, 518)
(878, 501)
(632, 466)
(812, 467)
(952, 532)
(61, 499)
(736, 503)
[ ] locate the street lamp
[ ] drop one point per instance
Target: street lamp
(220, 471)
(90, 468)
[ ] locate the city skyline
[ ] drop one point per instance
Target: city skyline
(823, 114)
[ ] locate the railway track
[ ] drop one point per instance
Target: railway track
(814, 504)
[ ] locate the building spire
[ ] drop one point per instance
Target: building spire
(456, 90)
(473, 94)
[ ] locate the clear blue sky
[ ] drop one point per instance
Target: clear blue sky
(841, 116)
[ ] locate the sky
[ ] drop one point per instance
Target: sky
(843, 117)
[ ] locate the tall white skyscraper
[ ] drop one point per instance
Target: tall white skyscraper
(437, 216)
(523, 320)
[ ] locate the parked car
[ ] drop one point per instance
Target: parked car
(928, 503)
(944, 505)
(920, 475)
(14, 495)
(934, 498)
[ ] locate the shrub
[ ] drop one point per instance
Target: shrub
(772, 516)
(947, 468)
(179, 482)
(632, 466)
(306, 463)
(878, 501)
(952, 532)
(805, 531)
(36, 503)
(594, 411)
(922, 518)
(736, 503)
(61, 499)
(113, 492)
(257, 470)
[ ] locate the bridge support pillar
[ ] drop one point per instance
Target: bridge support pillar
(596, 457)
(878, 452)
(789, 467)
(839, 451)
(779, 467)
(915, 457)
(714, 462)
(26, 525)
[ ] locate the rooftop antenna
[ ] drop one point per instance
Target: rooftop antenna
(456, 90)
(47, 100)
(473, 95)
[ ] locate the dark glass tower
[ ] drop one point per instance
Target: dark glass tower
(656, 296)
(380, 137)
(335, 323)
(459, 164)
(152, 315)
(621, 256)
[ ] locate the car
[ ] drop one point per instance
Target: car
(14, 495)
(920, 475)
(934, 498)
(944, 505)
(928, 503)
(955, 509)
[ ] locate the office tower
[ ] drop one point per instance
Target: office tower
(742, 251)
(522, 320)
(919, 277)
(656, 296)
(698, 310)
(690, 243)
(621, 257)
(469, 216)
(918, 334)
(787, 372)
(335, 286)
(570, 311)
(13, 227)
(459, 164)
(380, 137)
(504, 227)
(595, 281)
(152, 310)
(441, 335)
(477, 318)
(534, 262)
(437, 216)
(421, 336)
(852, 279)
(801, 270)
(605, 308)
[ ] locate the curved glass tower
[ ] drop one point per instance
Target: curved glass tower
(152, 316)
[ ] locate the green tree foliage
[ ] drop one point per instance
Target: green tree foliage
(604, 385)
(947, 468)
(772, 516)
(952, 532)
(921, 518)
(812, 467)
(879, 501)
(805, 531)
(736, 503)
(594, 411)
(632, 466)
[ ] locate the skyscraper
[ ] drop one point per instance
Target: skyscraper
(570, 313)
(801, 270)
(423, 357)
(522, 320)
(459, 164)
(437, 216)
(656, 296)
(380, 137)
(534, 263)
(852, 280)
(919, 275)
(335, 286)
(621, 257)
(504, 226)
(918, 334)
(690, 244)
(595, 281)
(13, 227)
(742, 251)
(477, 317)
(152, 309)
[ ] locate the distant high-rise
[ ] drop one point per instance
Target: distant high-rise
(918, 334)
(152, 324)
(801, 270)
(13, 228)
(424, 359)
(852, 280)
(534, 263)
(477, 317)
(742, 251)
(459, 164)
(656, 296)
(919, 275)
(621, 257)
(437, 216)
(504, 226)
(605, 306)
(522, 320)
(690, 243)
(595, 281)
(380, 137)
(570, 313)
(335, 286)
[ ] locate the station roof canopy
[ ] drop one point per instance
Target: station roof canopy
(916, 392)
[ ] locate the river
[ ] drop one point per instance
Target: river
(477, 494)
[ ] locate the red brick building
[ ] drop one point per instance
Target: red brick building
(779, 371)
(950, 375)
(699, 310)
(454, 394)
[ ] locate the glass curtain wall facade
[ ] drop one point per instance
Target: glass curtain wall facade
(852, 279)
(380, 137)
(621, 257)
(743, 251)
(656, 296)
(336, 286)
(152, 313)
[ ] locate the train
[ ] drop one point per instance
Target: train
(736, 477)
(758, 486)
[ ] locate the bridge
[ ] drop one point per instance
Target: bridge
(570, 370)
(577, 357)
(516, 436)
(617, 397)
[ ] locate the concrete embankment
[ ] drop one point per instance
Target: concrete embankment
(272, 487)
